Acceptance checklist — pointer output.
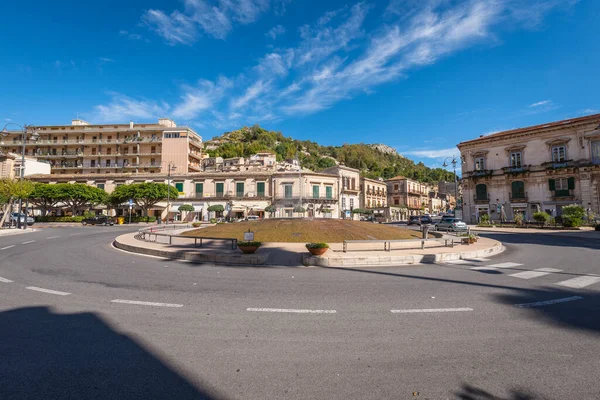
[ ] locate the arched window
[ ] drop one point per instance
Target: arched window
(518, 190)
(481, 192)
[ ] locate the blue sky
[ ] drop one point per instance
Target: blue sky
(418, 75)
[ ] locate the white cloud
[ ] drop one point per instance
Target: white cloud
(433, 153)
(214, 18)
(589, 111)
(130, 35)
(275, 31)
(122, 107)
(255, 90)
(106, 59)
(540, 103)
(200, 98)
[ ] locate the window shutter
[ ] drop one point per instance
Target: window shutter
(571, 183)
(552, 184)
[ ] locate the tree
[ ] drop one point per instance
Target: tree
(572, 216)
(45, 196)
(77, 195)
(15, 189)
(144, 195)
(186, 208)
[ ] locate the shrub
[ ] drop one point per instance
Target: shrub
(573, 216)
(196, 224)
(317, 246)
(518, 219)
(541, 216)
(299, 209)
(213, 221)
(59, 219)
(484, 219)
(186, 207)
(253, 244)
(270, 209)
(216, 208)
(140, 219)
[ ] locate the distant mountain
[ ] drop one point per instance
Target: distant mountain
(374, 160)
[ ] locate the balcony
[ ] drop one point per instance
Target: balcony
(232, 196)
(518, 197)
(195, 155)
(516, 170)
(67, 166)
(559, 164)
(564, 194)
(307, 198)
(479, 173)
(346, 189)
(195, 167)
(481, 198)
(61, 155)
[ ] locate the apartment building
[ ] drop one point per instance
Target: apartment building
(7, 166)
(83, 148)
(408, 193)
(349, 188)
(543, 167)
(373, 193)
(316, 193)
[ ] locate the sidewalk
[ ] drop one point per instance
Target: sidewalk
(583, 232)
(295, 254)
(14, 231)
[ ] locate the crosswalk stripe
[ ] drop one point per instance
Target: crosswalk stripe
(483, 269)
(580, 282)
(536, 273)
(505, 265)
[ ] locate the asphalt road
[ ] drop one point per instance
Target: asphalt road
(70, 327)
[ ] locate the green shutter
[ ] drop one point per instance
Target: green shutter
(288, 191)
(179, 187)
(239, 189)
(219, 189)
(199, 189)
(329, 192)
(571, 183)
(552, 184)
(260, 189)
(315, 191)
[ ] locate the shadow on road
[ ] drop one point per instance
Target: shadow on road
(544, 239)
(79, 356)
(469, 392)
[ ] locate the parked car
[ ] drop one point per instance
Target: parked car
(98, 220)
(450, 224)
(419, 220)
(14, 218)
(252, 218)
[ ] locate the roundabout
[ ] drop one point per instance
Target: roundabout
(152, 326)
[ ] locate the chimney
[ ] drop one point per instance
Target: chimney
(130, 124)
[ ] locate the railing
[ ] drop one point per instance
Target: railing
(558, 164)
(481, 197)
(563, 193)
(161, 231)
(596, 160)
(309, 197)
(518, 197)
(514, 169)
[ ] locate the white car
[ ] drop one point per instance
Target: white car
(253, 218)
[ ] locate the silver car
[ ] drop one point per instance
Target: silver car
(450, 224)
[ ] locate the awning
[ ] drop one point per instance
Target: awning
(197, 208)
(238, 208)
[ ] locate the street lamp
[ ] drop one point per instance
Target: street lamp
(34, 137)
(454, 160)
(170, 168)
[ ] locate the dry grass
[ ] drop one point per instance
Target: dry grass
(305, 231)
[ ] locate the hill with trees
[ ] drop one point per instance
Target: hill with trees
(373, 160)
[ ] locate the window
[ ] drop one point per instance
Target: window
(315, 193)
(351, 203)
(219, 189)
(199, 189)
(518, 190)
(125, 150)
(100, 186)
(480, 164)
(515, 160)
(396, 187)
(396, 202)
(288, 191)
(329, 192)
(562, 186)
(153, 162)
(343, 202)
(108, 151)
(174, 135)
(596, 152)
(108, 163)
(260, 189)
(93, 163)
(239, 189)
(481, 192)
(559, 153)
(94, 151)
(153, 149)
(179, 187)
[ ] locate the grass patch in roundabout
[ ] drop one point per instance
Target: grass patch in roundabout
(306, 230)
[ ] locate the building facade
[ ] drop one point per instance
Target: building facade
(7, 166)
(408, 193)
(83, 148)
(543, 167)
(373, 193)
(349, 189)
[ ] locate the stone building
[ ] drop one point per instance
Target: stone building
(373, 193)
(349, 188)
(543, 167)
(408, 193)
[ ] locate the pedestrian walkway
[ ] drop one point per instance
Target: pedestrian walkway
(520, 272)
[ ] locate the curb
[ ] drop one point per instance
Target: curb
(232, 259)
(390, 261)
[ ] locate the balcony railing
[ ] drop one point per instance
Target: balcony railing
(596, 160)
(563, 194)
(481, 198)
(307, 198)
(516, 170)
(518, 197)
(479, 173)
(558, 164)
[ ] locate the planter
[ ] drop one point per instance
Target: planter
(248, 249)
(471, 241)
(318, 252)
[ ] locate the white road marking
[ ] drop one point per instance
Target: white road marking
(430, 310)
(548, 302)
(29, 241)
(7, 247)
(536, 273)
(38, 289)
(52, 237)
(5, 280)
(505, 265)
(460, 262)
(483, 269)
(290, 310)
(146, 303)
(580, 282)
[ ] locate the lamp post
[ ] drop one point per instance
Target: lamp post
(170, 168)
(34, 137)
(454, 160)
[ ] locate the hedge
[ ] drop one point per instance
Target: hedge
(59, 219)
